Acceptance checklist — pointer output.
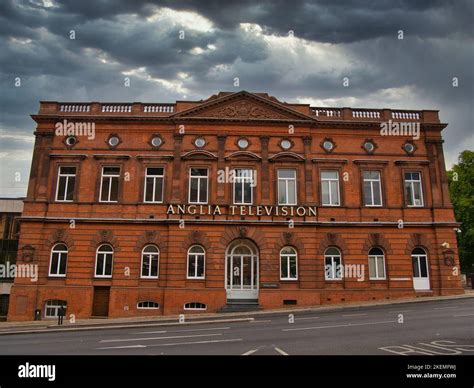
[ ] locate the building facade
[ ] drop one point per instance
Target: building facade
(10, 211)
(196, 206)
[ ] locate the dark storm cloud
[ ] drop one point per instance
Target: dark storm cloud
(122, 37)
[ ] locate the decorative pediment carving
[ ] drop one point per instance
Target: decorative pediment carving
(28, 253)
(243, 105)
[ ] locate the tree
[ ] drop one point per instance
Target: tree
(461, 188)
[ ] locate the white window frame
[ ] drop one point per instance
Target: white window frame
(286, 180)
(195, 308)
(289, 256)
(371, 181)
(144, 254)
(333, 267)
(412, 182)
(147, 307)
(377, 270)
(56, 307)
(197, 255)
(60, 259)
(199, 177)
(328, 181)
(155, 178)
(243, 180)
(110, 177)
(97, 261)
(67, 176)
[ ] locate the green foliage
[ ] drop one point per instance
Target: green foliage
(461, 187)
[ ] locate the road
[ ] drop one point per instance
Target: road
(427, 328)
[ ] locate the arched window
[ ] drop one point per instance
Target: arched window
(288, 264)
(196, 262)
(195, 306)
(376, 264)
(52, 306)
(103, 263)
(148, 305)
(150, 259)
(333, 264)
(58, 262)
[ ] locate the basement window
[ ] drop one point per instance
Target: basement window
(195, 306)
(148, 304)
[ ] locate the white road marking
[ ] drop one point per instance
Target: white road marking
(158, 338)
(398, 311)
(262, 321)
(180, 331)
(353, 315)
(124, 347)
(281, 351)
(171, 344)
(334, 326)
(444, 308)
(463, 315)
(305, 318)
(197, 342)
(249, 352)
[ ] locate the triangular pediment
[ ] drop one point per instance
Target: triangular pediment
(242, 106)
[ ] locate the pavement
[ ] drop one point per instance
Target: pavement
(427, 326)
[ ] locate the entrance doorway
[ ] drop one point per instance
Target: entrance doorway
(100, 305)
(421, 277)
(242, 270)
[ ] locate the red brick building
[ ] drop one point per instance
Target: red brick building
(149, 209)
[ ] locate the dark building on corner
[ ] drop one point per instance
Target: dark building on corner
(148, 209)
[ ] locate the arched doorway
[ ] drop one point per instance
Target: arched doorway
(241, 267)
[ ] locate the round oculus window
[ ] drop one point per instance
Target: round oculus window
(369, 146)
(71, 140)
(409, 147)
(243, 143)
(199, 142)
(156, 141)
(113, 141)
(328, 145)
(285, 144)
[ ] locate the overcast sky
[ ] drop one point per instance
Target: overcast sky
(297, 51)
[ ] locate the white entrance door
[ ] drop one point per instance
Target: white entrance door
(242, 271)
(421, 278)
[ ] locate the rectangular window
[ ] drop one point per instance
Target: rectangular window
(109, 184)
(287, 187)
(413, 189)
(376, 267)
(154, 180)
(198, 185)
(372, 188)
(66, 184)
(330, 188)
(243, 186)
(333, 268)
